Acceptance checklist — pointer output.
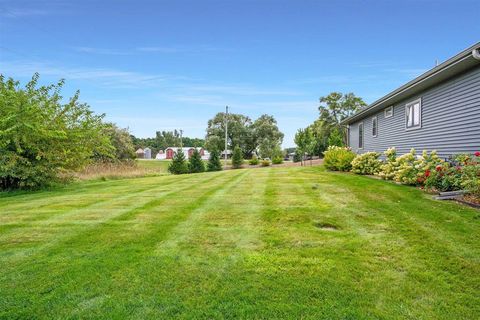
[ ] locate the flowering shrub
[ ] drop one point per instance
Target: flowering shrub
(471, 175)
(338, 158)
(425, 164)
(366, 163)
(444, 177)
(265, 163)
(389, 167)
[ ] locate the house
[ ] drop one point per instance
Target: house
(439, 110)
(187, 151)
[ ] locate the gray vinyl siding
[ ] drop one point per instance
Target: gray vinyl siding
(450, 121)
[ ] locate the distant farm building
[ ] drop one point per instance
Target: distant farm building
(147, 153)
(187, 151)
(140, 153)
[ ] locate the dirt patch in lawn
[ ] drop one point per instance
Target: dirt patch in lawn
(326, 226)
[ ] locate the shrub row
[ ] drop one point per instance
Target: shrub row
(427, 170)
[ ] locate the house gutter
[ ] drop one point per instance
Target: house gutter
(476, 53)
(466, 54)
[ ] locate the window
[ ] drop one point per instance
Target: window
(374, 126)
(360, 135)
(413, 115)
(389, 112)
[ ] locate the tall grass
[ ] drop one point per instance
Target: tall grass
(117, 171)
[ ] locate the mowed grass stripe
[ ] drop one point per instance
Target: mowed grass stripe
(250, 244)
(407, 226)
(34, 237)
(106, 248)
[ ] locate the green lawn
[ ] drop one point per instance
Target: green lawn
(238, 244)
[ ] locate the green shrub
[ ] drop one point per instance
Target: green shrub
(237, 158)
(471, 174)
(254, 161)
(338, 158)
(277, 160)
(471, 179)
(297, 156)
(366, 163)
(265, 163)
(214, 163)
(179, 164)
(195, 163)
(43, 139)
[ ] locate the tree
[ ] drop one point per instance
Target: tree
(262, 134)
(301, 143)
(165, 139)
(121, 148)
(43, 139)
(195, 163)
(336, 138)
(266, 135)
(239, 132)
(179, 164)
(333, 109)
(237, 158)
(214, 161)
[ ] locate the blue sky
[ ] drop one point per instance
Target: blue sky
(161, 65)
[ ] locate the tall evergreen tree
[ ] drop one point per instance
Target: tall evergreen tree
(214, 161)
(237, 158)
(195, 163)
(179, 164)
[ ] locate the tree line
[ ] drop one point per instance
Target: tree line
(45, 138)
(327, 130)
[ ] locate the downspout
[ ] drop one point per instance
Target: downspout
(476, 53)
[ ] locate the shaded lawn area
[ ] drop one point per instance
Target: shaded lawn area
(238, 244)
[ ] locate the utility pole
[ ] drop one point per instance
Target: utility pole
(226, 134)
(181, 139)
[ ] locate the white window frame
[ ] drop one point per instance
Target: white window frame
(388, 109)
(419, 125)
(363, 135)
(348, 135)
(375, 119)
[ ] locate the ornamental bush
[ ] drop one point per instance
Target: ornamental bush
(338, 158)
(265, 163)
(405, 169)
(444, 177)
(389, 166)
(471, 175)
(277, 160)
(366, 163)
(254, 161)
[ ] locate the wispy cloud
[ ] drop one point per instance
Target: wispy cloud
(105, 77)
(148, 49)
(411, 72)
(102, 51)
(182, 49)
(21, 12)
